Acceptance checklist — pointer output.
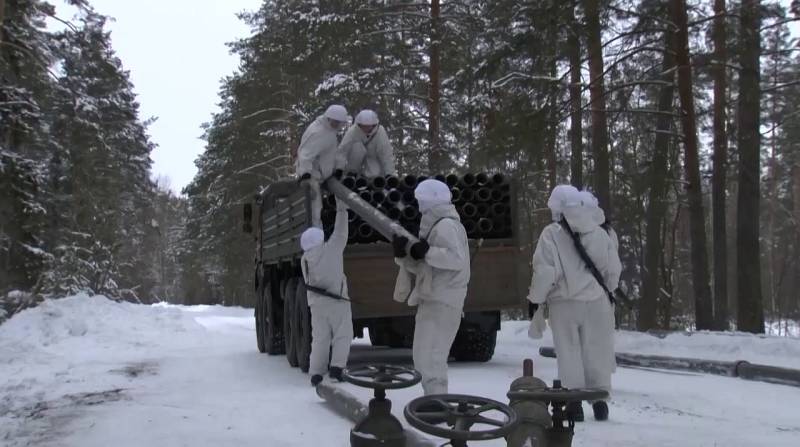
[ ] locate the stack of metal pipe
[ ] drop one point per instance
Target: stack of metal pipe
(483, 201)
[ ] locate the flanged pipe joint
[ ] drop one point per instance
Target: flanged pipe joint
(530, 397)
(379, 427)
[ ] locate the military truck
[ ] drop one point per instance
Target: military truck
(500, 269)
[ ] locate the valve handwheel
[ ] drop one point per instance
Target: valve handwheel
(460, 413)
(382, 376)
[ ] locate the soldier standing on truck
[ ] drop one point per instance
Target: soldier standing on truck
(331, 316)
(316, 156)
(575, 265)
(441, 266)
(365, 148)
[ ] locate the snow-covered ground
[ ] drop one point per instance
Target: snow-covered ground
(86, 371)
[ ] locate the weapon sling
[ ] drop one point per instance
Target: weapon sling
(576, 239)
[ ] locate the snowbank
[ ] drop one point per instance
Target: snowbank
(726, 346)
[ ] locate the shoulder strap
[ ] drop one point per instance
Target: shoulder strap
(434, 226)
(576, 239)
(321, 291)
(370, 137)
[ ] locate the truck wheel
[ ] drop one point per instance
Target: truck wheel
(273, 333)
(386, 336)
(302, 328)
(289, 288)
(399, 340)
(258, 313)
(473, 344)
(377, 336)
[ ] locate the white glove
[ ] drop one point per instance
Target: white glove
(538, 324)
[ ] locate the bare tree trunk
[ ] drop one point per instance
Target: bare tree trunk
(552, 119)
(796, 211)
(436, 162)
(720, 161)
(657, 207)
(750, 315)
(597, 98)
(576, 115)
(704, 316)
(668, 269)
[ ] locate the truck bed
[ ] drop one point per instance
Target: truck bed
(493, 285)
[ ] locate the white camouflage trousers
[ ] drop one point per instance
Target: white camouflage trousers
(331, 332)
(435, 329)
(583, 335)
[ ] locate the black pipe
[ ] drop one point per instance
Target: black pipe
(378, 197)
(392, 182)
(394, 196)
(408, 198)
(456, 195)
(485, 226)
(365, 232)
(498, 210)
(410, 213)
(483, 209)
(349, 182)
(421, 178)
(394, 213)
(506, 198)
(469, 210)
(467, 194)
(483, 194)
(468, 180)
(378, 183)
(451, 180)
(498, 179)
(361, 183)
(481, 179)
(410, 182)
(497, 195)
(366, 196)
(440, 177)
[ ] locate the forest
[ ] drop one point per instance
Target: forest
(680, 116)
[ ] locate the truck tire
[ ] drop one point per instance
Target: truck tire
(473, 344)
(302, 328)
(377, 335)
(273, 332)
(380, 335)
(289, 288)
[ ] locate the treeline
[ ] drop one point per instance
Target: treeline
(79, 211)
(682, 119)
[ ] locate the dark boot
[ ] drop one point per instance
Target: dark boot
(336, 373)
(600, 410)
(575, 411)
(316, 379)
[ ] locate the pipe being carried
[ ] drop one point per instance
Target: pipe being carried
(385, 226)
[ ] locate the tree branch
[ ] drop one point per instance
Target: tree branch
(780, 86)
